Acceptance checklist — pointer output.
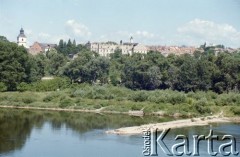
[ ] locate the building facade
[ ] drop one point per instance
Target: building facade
(104, 49)
(37, 48)
(177, 50)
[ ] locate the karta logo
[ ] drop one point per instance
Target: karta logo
(154, 143)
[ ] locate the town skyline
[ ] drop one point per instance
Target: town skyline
(151, 23)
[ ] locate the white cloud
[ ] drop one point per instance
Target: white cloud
(4, 19)
(77, 29)
(138, 36)
(144, 34)
(56, 39)
(44, 35)
(199, 31)
(28, 32)
(123, 34)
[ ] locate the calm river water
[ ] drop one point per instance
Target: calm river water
(61, 134)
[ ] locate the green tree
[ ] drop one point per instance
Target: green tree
(187, 76)
(98, 69)
(14, 65)
(81, 69)
(154, 78)
(74, 43)
(3, 87)
(3, 39)
(56, 62)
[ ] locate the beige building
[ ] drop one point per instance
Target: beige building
(104, 49)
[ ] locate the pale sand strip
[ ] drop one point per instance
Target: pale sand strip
(172, 124)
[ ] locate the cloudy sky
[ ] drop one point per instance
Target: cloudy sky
(162, 22)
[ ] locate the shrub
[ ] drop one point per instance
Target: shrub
(3, 87)
(189, 101)
(23, 87)
(177, 98)
(198, 95)
(78, 93)
(28, 100)
(50, 85)
(96, 92)
(201, 106)
(65, 103)
(211, 95)
(158, 97)
(50, 97)
(202, 102)
(226, 99)
(203, 109)
(97, 106)
(136, 107)
(139, 96)
(221, 102)
(109, 96)
(236, 110)
(190, 94)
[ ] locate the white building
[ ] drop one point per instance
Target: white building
(104, 49)
(22, 39)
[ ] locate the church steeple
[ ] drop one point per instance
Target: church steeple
(22, 31)
(131, 40)
(22, 39)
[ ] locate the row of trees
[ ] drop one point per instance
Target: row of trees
(202, 71)
(88, 67)
(69, 48)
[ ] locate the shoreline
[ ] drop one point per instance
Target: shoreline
(203, 121)
(130, 112)
(62, 109)
(136, 130)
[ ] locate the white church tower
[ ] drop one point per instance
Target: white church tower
(22, 39)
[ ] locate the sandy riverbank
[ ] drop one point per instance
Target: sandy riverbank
(172, 124)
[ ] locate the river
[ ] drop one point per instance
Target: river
(26, 133)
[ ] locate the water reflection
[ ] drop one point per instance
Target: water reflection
(16, 125)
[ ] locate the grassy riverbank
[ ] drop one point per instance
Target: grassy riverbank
(120, 99)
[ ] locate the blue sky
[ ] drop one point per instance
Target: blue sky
(161, 22)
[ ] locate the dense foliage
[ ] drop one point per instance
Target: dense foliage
(202, 71)
(16, 66)
(69, 48)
